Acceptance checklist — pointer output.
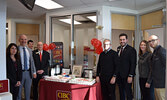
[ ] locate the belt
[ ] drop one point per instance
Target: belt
(25, 70)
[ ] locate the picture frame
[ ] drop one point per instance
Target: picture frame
(66, 71)
(77, 70)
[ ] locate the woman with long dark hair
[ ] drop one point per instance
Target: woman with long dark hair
(14, 72)
(145, 80)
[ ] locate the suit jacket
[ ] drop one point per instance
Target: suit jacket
(158, 67)
(41, 65)
(32, 65)
(107, 64)
(13, 74)
(127, 61)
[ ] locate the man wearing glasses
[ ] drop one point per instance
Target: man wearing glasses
(158, 67)
(106, 71)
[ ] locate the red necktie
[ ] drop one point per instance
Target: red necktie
(40, 56)
(121, 51)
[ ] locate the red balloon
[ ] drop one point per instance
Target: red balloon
(52, 46)
(93, 41)
(99, 50)
(98, 44)
(45, 47)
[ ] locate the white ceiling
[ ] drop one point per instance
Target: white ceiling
(16, 10)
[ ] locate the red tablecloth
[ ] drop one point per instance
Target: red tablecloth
(49, 90)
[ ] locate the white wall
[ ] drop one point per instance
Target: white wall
(3, 39)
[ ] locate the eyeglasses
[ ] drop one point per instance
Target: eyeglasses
(153, 40)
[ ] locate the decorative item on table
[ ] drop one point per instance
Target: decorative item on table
(57, 70)
(82, 81)
(66, 71)
(77, 70)
(58, 78)
(88, 73)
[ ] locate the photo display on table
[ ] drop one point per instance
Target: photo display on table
(77, 70)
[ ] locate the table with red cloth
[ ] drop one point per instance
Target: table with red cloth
(50, 90)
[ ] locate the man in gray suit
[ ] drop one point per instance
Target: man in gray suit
(28, 68)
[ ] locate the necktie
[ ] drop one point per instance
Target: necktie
(25, 59)
(121, 51)
(40, 56)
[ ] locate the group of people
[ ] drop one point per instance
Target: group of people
(25, 66)
(119, 68)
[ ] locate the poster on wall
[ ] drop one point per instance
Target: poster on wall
(57, 54)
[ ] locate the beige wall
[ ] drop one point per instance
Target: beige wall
(30, 30)
(123, 22)
(150, 19)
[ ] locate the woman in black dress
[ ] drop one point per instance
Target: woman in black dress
(14, 72)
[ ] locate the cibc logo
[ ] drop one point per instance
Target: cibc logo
(1, 86)
(63, 95)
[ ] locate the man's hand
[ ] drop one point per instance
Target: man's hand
(112, 81)
(18, 83)
(147, 85)
(40, 71)
(130, 79)
(97, 79)
(34, 75)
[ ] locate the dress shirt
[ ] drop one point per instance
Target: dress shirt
(22, 57)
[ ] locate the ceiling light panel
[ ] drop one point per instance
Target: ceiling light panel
(68, 21)
(48, 4)
(93, 18)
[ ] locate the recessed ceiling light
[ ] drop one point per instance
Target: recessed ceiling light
(48, 4)
(68, 21)
(93, 18)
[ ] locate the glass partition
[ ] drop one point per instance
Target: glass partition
(83, 31)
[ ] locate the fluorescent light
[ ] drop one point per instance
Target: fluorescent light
(93, 18)
(68, 21)
(48, 4)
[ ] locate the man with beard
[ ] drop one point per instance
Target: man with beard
(127, 65)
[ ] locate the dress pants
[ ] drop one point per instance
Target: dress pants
(26, 83)
(124, 88)
(147, 93)
(14, 90)
(35, 86)
(108, 90)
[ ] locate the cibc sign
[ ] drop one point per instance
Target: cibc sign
(63, 95)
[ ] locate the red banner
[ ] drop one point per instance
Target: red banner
(4, 86)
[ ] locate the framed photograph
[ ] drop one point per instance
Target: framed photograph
(77, 70)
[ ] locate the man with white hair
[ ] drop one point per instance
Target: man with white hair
(106, 71)
(158, 67)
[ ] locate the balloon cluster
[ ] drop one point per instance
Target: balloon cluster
(97, 45)
(50, 47)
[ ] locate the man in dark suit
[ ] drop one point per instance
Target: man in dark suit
(28, 68)
(158, 67)
(127, 65)
(106, 71)
(41, 59)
